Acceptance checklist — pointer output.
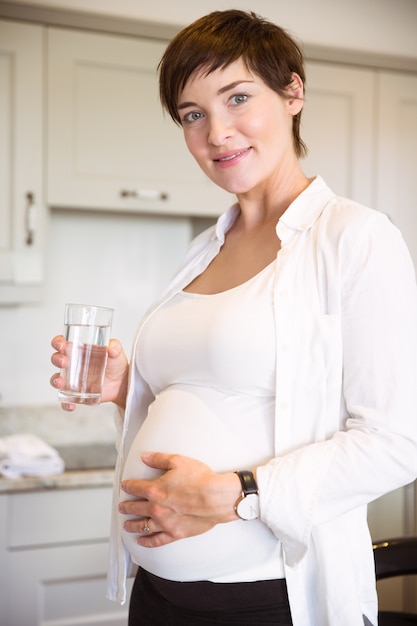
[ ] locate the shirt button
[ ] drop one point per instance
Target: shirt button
(283, 406)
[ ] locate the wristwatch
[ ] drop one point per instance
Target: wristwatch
(247, 507)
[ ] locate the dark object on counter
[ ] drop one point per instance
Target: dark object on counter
(396, 557)
(88, 456)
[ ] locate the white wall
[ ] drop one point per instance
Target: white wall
(382, 26)
(111, 260)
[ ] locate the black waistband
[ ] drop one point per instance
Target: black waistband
(204, 595)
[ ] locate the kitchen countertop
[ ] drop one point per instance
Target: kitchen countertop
(85, 439)
(67, 480)
(86, 465)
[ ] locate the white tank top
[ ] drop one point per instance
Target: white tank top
(210, 362)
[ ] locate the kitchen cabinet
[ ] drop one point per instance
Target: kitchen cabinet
(22, 211)
(54, 550)
(337, 127)
(396, 154)
(360, 126)
(110, 146)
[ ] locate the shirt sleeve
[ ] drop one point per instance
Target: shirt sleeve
(375, 450)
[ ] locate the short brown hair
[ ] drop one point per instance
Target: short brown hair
(222, 37)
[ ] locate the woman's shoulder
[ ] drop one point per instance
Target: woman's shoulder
(350, 219)
(358, 235)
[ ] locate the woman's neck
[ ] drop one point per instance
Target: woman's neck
(263, 205)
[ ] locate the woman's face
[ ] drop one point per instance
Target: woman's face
(237, 128)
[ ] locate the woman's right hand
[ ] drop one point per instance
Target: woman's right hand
(115, 379)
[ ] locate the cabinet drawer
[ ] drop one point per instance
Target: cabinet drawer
(63, 585)
(64, 516)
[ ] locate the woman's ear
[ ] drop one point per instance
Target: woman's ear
(295, 94)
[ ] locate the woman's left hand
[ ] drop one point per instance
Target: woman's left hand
(187, 500)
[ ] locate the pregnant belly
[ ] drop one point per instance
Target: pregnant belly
(180, 422)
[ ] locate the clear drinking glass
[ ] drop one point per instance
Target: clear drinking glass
(87, 331)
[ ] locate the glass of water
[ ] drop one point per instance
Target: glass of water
(87, 331)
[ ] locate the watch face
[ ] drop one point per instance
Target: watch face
(248, 507)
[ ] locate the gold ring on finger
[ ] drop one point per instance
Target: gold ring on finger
(146, 530)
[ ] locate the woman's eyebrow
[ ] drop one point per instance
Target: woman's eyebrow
(230, 86)
(185, 105)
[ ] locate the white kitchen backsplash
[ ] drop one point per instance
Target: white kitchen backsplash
(117, 260)
(86, 425)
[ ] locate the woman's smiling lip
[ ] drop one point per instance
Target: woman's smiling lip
(226, 159)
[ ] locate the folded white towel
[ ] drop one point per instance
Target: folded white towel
(28, 455)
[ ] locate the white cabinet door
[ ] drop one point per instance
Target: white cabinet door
(338, 128)
(54, 559)
(4, 590)
(63, 585)
(21, 162)
(396, 154)
(110, 145)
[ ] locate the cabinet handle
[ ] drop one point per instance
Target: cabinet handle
(144, 194)
(30, 218)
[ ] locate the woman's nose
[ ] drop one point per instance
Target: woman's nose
(219, 131)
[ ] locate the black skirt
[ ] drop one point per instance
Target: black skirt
(158, 602)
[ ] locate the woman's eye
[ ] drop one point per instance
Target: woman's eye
(239, 98)
(194, 116)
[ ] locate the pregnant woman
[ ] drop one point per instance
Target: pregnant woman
(271, 392)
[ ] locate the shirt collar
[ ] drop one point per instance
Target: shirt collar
(225, 221)
(305, 210)
(299, 216)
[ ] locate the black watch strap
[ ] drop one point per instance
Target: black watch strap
(248, 482)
